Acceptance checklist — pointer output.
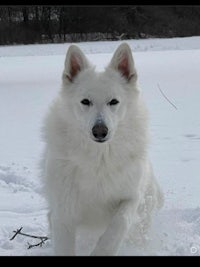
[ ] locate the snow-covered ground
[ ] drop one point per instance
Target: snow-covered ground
(30, 77)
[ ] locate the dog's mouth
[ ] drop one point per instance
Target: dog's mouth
(100, 140)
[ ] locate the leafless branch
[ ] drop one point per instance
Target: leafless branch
(37, 244)
(166, 97)
(41, 238)
(119, 37)
(16, 233)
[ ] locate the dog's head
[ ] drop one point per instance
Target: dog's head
(98, 102)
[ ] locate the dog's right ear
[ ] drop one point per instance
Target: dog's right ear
(122, 61)
(75, 62)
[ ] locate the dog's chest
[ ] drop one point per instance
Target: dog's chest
(100, 188)
(93, 185)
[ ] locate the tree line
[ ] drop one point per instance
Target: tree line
(54, 24)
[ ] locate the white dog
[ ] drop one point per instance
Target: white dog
(96, 168)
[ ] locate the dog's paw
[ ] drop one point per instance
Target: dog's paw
(100, 251)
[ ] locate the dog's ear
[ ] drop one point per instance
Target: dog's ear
(75, 62)
(123, 62)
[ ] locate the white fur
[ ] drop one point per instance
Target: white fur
(108, 184)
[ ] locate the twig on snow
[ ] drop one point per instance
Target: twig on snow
(41, 238)
(37, 244)
(16, 233)
(166, 97)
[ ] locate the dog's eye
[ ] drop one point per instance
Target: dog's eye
(113, 102)
(86, 102)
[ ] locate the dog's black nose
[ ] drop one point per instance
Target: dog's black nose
(100, 131)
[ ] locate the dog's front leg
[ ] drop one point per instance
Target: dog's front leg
(63, 238)
(109, 243)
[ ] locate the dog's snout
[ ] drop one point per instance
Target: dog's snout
(100, 131)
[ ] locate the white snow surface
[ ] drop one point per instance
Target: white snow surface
(30, 77)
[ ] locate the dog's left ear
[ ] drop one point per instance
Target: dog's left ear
(75, 62)
(123, 62)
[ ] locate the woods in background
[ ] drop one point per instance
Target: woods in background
(54, 24)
